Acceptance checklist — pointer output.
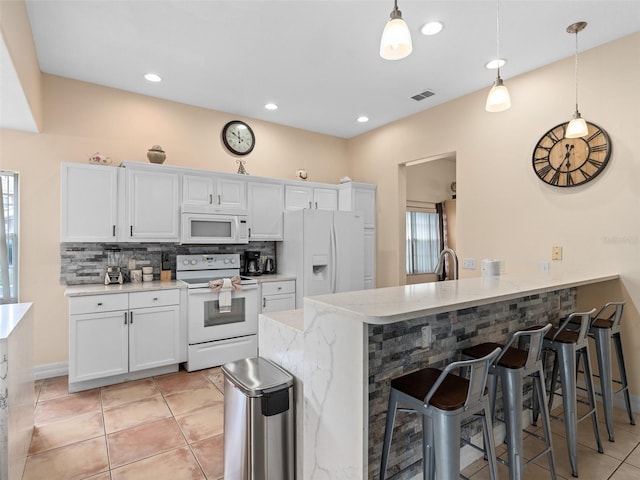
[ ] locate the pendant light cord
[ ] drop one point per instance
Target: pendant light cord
(576, 71)
(498, 35)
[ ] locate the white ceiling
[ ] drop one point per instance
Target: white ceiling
(318, 60)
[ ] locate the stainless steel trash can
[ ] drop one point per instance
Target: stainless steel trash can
(258, 421)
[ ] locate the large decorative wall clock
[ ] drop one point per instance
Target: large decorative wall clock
(238, 137)
(569, 162)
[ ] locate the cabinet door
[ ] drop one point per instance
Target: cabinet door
(325, 199)
(98, 345)
(89, 195)
(197, 190)
(231, 193)
(278, 303)
(298, 197)
(154, 337)
(265, 211)
(152, 206)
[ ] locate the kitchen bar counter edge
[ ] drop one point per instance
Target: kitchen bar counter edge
(394, 304)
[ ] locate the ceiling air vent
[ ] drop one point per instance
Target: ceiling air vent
(423, 95)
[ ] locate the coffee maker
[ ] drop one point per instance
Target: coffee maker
(252, 263)
(114, 271)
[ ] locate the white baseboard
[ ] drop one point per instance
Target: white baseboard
(50, 370)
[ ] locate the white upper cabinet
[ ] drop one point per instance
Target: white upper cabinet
(213, 190)
(89, 203)
(266, 202)
(359, 197)
(152, 207)
(299, 197)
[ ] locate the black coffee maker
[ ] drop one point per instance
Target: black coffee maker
(252, 265)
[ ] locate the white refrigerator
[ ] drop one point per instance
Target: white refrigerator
(324, 250)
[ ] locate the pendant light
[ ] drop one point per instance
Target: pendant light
(577, 126)
(396, 38)
(498, 99)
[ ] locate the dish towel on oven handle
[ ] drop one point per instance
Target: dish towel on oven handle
(224, 286)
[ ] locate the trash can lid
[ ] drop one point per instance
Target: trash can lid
(256, 375)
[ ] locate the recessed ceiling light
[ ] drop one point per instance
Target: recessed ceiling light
(152, 77)
(362, 119)
(271, 106)
(497, 63)
(432, 28)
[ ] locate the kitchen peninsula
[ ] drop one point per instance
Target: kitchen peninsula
(354, 343)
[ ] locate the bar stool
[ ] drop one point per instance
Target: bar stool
(605, 327)
(444, 400)
(567, 344)
(512, 366)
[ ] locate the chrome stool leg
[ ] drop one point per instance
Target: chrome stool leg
(388, 432)
(511, 383)
(539, 393)
(591, 396)
(566, 360)
(601, 337)
(623, 376)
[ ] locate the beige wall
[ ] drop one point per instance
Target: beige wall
(82, 118)
(503, 210)
(15, 31)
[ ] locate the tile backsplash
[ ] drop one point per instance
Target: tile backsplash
(83, 263)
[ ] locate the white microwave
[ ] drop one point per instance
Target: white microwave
(210, 225)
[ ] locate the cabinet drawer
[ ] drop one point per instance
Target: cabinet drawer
(276, 288)
(98, 303)
(155, 298)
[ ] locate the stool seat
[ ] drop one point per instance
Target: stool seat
(565, 336)
(513, 358)
(450, 395)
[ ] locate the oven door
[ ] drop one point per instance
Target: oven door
(207, 323)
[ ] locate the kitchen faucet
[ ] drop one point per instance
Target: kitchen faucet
(440, 266)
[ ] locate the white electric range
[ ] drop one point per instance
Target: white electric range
(216, 337)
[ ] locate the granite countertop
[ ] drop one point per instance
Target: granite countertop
(10, 316)
(394, 304)
(99, 288)
(290, 318)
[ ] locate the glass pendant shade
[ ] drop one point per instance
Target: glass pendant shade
(498, 99)
(577, 127)
(396, 38)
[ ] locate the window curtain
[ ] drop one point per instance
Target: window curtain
(442, 229)
(8, 241)
(422, 238)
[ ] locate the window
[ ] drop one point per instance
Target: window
(423, 239)
(9, 237)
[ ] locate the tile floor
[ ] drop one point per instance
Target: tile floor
(171, 427)
(620, 460)
(165, 427)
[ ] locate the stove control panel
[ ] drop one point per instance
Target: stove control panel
(216, 261)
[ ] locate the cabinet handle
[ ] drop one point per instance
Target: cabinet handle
(219, 199)
(155, 299)
(279, 288)
(316, 205)
(309, 205)
(264, 302)
(99, 304)
(249, 232)
(210, 199)
(131, 230)
(125, 318)
(114, 230)
(130, 318)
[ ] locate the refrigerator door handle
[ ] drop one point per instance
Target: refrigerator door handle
(334, 260)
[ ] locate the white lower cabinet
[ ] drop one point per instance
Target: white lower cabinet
(278, 296)
(112, 335)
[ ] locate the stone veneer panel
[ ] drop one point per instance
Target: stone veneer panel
(397, 349)
(86, 263)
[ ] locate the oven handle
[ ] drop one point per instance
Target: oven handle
(208, 291)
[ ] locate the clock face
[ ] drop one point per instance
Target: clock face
(568, 162)
(238, 137)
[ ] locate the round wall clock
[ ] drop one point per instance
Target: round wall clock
(569, 162)
(238, 137)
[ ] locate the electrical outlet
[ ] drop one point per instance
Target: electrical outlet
(426, 336)
(556, 253)
(469, 263)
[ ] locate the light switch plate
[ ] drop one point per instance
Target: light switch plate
(556, 253)
(469, 263)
